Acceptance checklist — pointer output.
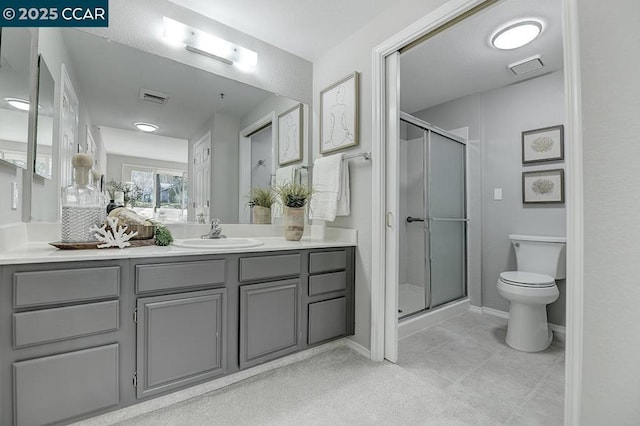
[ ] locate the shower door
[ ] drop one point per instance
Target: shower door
(447, 223)
(432, 257)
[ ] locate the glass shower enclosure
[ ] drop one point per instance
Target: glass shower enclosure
(433, 266)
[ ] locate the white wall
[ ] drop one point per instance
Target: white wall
(354, 54)
(497, 118)
(8, 174)
(609, 39)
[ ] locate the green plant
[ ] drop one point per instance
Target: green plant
(261, 197)
(294, 195)
(163, 235)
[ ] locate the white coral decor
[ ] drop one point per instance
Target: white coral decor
(114, 237)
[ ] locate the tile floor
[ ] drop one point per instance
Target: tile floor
(467, 358)
(458, 372)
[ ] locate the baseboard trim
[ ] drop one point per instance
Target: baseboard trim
(146, 407)
(357, 347)
(559, 331)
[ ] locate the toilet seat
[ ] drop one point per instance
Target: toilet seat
(527, 279)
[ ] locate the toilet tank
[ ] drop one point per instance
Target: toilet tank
(541, 254)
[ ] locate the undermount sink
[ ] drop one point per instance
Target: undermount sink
(218, 243)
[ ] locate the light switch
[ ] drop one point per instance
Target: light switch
(15, 196)
(497, 194)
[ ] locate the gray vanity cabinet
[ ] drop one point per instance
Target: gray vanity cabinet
(180, 340)
(329, 295)
(269, 321)
(62, 341)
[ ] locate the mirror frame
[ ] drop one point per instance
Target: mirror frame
(42, 65)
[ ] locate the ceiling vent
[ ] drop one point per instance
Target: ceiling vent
(531, 64)
(155, 97)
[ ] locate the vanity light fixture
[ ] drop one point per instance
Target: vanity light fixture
(516, 34)
(196, 41)
(20, 104)
(146, 127)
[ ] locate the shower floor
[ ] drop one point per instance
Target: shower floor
(410, 299)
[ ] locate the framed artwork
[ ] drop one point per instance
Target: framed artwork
(290, 136)
(339, 112)
(543, 186)
(546, 144)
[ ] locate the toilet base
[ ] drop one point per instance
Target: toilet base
(528, 329)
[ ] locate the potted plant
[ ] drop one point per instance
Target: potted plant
(294, 197)
(260, 201)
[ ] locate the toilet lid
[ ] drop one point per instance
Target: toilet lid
(527, 279)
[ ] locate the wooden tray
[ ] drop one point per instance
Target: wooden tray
(94, 244)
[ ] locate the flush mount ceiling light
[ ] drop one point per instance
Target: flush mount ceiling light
(146, 127)
(20, 104)
(516, 35)
(196, 41)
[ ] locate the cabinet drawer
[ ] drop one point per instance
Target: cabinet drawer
(66, 285)
(61, 387)
(164, 276)
(50, 325)
(327, 261)
(327, 283)
(267, 267)
(327, 320)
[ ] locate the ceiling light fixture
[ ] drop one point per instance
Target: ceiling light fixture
(146, 127)
(20, 104)
(516, 34)
(196, 41)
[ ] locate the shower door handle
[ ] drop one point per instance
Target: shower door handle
(414, 219)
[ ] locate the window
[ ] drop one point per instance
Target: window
(164, 191)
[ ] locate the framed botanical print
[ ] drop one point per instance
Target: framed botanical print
(546, 144)
(290, 136)
(543, 186)
(339, 112)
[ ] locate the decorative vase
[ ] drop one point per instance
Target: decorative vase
(261, 215)
(293, 220)
(82, 205)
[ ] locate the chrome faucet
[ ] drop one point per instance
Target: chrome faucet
(215, 232)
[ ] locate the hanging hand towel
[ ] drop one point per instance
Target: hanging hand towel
(331, 186)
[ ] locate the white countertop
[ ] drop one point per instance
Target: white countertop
(41, 252)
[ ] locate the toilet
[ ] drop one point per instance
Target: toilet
(540, 262)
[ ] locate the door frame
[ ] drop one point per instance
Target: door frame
(244, 159)
(449, 14)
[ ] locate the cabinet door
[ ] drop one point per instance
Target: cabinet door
(180, 340)
(269, 321)
(58, 388)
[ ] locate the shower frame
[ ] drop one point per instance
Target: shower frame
(427, 219)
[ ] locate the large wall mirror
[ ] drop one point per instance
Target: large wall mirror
(15, 56)
(44, 128)
(187, 160)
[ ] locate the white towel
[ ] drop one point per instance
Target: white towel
(331, 185)
(283, 175)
